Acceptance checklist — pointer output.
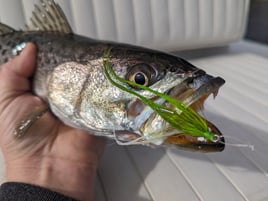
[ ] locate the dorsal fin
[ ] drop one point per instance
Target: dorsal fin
(4, 29)
(48, 16)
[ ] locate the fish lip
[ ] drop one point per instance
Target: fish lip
(206, 147)
(200, 144)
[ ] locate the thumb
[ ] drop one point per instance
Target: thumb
(23, 65)
(14, 74)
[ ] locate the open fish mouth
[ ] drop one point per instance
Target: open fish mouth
(194, 96)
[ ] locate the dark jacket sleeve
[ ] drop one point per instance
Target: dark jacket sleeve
(13, 191)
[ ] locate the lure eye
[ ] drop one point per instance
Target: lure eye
(142, 74)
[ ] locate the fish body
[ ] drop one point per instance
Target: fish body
(70, 77)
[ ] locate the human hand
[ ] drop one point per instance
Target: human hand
(50, 154)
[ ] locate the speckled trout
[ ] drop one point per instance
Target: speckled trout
(70, 78)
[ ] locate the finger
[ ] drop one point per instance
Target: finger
(14, 74)
(23, 65)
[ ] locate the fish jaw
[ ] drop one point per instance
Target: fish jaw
(205, 85)
(199, 144)
(193, 92)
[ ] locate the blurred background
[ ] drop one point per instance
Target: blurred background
(257, 28)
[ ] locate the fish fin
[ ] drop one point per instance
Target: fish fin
(48, 16)
(4, 29)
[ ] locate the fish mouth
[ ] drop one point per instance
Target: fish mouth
(195, 98)
(154, 130)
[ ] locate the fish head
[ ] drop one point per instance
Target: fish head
(170, 75)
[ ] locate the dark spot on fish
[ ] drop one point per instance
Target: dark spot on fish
(29, 38)
(5, 60)
(54, 61)
(16, 39)
(82, 57)
(173, 69)
(190, 80)
(50, 49)
(47, 60)
(4, 51)
(198, 73)
(9, 43)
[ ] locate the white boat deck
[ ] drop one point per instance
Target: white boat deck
(240, 111)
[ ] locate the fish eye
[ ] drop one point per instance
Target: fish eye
(141, 74)
(139, 78)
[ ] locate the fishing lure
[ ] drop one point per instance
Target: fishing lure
(182, 117)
